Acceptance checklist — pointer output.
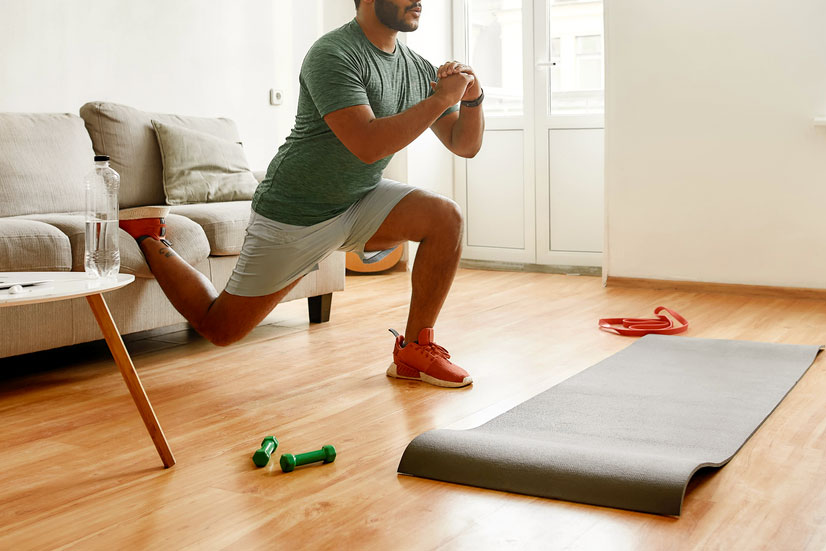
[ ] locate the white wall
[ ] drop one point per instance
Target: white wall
(336, 13)
(192, 57)
(714, 170)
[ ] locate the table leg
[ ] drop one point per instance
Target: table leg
(130, 376)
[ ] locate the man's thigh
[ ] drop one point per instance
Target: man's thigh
(417, 215)
(276, 254)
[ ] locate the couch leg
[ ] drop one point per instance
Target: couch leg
(320, 308)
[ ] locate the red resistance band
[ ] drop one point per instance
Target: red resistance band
(637, 327)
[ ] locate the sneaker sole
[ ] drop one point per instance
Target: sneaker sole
(143, 212)
(425, 378)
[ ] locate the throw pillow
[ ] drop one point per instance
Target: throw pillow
(202, 168)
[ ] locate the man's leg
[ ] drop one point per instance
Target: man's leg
(221, 318)
(436, 223)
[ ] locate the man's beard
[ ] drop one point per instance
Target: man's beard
(388, 14)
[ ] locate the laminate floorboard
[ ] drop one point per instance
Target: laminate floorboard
(78, 470)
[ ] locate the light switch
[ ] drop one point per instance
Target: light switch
(276, 96)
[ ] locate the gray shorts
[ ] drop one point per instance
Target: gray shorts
(276, 254)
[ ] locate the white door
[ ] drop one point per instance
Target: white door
(534, 193)
(497, 188)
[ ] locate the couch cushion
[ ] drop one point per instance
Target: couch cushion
(44, 159)
(187, 238)
(202, 168)
(225, 224)
(30, 246)
(127, 136)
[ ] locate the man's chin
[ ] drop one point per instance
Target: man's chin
(410, 24)
(406, 27)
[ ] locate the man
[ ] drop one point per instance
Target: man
(363, 97)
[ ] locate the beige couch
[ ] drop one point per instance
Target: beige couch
(43, 161)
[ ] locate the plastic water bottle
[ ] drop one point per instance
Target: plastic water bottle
(102, 258)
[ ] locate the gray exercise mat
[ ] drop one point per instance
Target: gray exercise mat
(628, 432)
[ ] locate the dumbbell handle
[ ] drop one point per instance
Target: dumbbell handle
(310, 457)
(327, 454)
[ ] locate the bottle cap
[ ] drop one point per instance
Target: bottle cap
(101, 158)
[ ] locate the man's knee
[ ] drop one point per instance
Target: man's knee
(230, 318)
(450, 218)
(225, 339)
(220, 335)
(225, 322)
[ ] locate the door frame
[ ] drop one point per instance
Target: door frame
(544, 123)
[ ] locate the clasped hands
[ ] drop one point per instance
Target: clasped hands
(457, 81)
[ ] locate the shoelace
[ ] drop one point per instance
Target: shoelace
(437, 350)
(637, 327)
(432, 348)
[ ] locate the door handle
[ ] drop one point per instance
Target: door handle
(542, 64)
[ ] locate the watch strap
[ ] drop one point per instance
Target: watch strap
(475, 103)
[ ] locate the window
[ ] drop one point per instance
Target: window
(575, 45)
(589, 62)
(495, 46)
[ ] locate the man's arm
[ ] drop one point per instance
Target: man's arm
(462, 132)
(372, 139)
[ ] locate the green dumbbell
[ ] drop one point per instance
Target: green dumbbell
(290, 461)
(262, 456)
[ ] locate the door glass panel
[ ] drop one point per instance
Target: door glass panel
(495, 45)
(575, 47)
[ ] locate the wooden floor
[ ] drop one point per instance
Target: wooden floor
(78, 470)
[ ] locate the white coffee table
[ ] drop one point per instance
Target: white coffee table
(68, 285)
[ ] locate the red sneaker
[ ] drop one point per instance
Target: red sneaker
(145, 222)
(426, 361)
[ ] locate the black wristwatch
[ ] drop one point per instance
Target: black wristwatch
(475, 103)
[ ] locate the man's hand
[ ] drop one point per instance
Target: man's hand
(474, 90)
(452, 87)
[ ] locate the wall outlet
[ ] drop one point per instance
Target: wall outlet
(276, 96)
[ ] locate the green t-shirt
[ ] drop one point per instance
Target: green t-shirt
(314, 177)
